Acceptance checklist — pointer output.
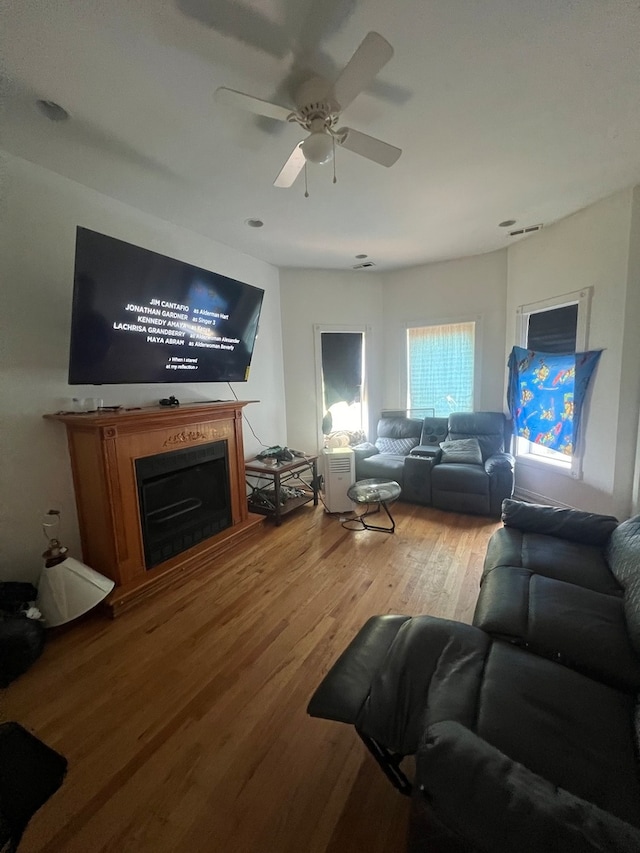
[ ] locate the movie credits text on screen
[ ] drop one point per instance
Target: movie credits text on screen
(179, 325)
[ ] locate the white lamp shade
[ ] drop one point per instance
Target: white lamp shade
(68, 590)
(318, 147)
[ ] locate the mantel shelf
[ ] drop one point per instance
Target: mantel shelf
(144, 414)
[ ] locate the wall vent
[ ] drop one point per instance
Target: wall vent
(528, 230)
(365, 266)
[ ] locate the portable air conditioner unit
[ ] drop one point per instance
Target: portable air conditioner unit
(339, 474)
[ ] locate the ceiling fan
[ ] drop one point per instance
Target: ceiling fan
(318, 108)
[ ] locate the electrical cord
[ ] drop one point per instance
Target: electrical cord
(330, 514)
(261, 443)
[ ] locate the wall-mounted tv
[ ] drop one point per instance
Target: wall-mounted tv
(139, 317)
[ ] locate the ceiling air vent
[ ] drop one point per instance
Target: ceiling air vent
(528, 230)
(365, 266)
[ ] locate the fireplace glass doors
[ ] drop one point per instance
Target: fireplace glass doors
(184, 499)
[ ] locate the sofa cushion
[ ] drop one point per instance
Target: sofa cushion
(587, 528)
(552, 557)
(568, 728)
(578, 627)
(624, 558)
(396, 446)
(382, 465)
(464, 450)
(460, 478)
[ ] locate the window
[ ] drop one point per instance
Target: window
(557, 325)
(440, 368)
(341, 371)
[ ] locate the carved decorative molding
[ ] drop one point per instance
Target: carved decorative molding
(185, 436)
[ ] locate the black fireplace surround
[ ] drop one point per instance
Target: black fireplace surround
(184, 499)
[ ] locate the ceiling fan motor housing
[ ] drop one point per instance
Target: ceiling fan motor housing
(315, 105)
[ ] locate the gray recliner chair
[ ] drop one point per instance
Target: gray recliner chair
(474, 471)
(395, 439)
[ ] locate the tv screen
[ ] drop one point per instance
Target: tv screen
(139, 316)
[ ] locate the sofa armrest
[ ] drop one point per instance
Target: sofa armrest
(499, 461)
(496, 804)
(365, 450)
(588, 528)
(429, 451)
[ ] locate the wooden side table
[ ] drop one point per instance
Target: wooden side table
(270, 480)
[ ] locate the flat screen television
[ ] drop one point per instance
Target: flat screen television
(140, 317)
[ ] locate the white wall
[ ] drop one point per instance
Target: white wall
(597, 247)
(472, 288)
(313, 297)
(590, 249)
(467, 288)
(633, 365)
(41, 213)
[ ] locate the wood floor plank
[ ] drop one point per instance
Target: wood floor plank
(184, 721)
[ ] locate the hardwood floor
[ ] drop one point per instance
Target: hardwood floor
(184, 720)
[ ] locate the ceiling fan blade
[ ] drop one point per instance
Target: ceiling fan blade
(368, 146)
(291, 168)
(253, 105)
(372, 55)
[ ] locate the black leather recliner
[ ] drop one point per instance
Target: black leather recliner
(524, 725)
(480, 486)
(395, 438)
(407, 450)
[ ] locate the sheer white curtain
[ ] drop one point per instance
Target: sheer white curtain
(440, 364)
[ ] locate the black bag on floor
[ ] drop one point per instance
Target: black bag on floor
(14, 595)
(30, 772)
(21, 643)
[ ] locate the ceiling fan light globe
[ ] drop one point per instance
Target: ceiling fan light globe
(318, 148)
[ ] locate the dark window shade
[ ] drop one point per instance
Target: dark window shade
(341, 367)
(553, 330)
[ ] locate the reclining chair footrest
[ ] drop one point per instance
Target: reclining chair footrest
(343, 691)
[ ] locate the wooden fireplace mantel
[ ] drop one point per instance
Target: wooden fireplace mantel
(104, 446)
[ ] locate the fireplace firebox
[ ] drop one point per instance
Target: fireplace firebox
(184, 499)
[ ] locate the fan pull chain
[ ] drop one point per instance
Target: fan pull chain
(306, 189)
(335, 180)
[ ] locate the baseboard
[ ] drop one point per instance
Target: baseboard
(533, 497)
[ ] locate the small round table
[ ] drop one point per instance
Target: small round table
(373, 491)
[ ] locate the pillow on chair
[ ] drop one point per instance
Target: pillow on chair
(464, 450)
(397, 446)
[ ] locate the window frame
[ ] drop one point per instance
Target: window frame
(581, 298)
(477, 319)
(318, 330)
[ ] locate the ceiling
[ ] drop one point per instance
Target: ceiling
(504, 109)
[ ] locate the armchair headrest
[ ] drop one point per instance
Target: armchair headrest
(490, 428)
(399, 427)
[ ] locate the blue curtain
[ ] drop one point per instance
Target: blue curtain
(440, 368)
(545, 395)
